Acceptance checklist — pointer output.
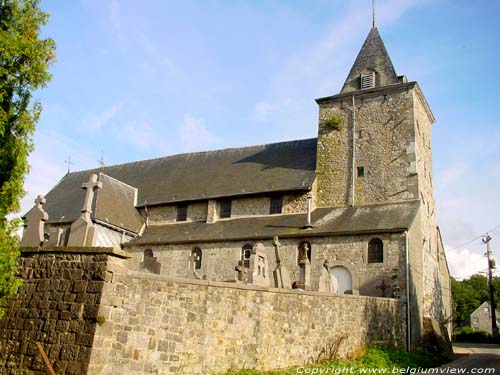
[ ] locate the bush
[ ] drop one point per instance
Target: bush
(468, 334)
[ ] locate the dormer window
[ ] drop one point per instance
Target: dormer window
(367, 80)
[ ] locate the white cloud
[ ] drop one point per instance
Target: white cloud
(195, 135)
(464, 263)
(97, 122)
(261, 111)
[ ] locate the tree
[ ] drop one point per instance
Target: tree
(24, 62)
(469, 294)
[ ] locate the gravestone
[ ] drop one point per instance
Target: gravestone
(281, 275)
(33, 234)
(82, 231)
(305, 267)
(55, 238)
(259, 267)
(325, 279)
(151, 263)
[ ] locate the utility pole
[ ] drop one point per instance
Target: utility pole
(494, 328)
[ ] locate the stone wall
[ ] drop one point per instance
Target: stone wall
(219, 259)
(93, 315)
(157, 324)
(57, 306)
(240, 207)
(384, 144)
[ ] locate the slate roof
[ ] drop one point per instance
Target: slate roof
(372, 55)
(284, 166)
(115, 204)
(390, 217)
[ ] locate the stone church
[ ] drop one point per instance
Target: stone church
(351, 211)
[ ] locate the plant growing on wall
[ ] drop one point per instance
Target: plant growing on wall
(334, 122)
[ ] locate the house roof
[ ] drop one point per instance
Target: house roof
(374, 56)
(482, 306)
(391, 217)
(284, 166)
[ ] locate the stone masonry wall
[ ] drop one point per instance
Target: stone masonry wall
(240, 207)
(57, 306)
(160, 325)
(219, 259)
(384, 144)
(433, 288)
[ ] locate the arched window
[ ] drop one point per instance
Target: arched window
(246, 253)
(148, 253)
(196, 258)
(375, 251)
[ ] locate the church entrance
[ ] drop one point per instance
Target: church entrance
(341, 280)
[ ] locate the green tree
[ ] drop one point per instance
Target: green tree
(25, 58)
(469, 294)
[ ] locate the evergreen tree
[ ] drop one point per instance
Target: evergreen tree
(24, 62)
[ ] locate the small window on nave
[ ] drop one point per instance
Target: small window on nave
(225, 209)
(276, 205)
(182, 212)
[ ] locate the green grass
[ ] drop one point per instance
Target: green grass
(374, 358)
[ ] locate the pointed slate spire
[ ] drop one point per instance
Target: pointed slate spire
(372, 57)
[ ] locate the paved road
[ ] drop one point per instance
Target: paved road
(477, 358)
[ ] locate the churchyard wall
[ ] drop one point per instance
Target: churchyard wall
(57, 306)
(166, 325)
(93, 315)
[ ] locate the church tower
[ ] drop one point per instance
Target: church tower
(374, 136)
(374, 147)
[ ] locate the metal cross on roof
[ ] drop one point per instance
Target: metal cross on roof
(69, 162)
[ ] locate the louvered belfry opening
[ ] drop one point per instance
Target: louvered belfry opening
(367, 80)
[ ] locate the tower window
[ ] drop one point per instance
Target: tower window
(361, 171)
(276, 205)
(182, 212)
(367, 80)
(376, 251)
(225, 209)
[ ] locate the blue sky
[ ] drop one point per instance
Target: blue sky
(144, 79)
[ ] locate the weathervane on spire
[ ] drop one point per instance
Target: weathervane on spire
(373, 13)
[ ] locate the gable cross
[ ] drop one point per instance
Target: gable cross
(39, 201)
(91, 185)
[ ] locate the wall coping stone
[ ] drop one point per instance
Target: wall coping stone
(76, 250)
(235, 285)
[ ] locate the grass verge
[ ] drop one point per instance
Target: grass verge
(372, 359)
